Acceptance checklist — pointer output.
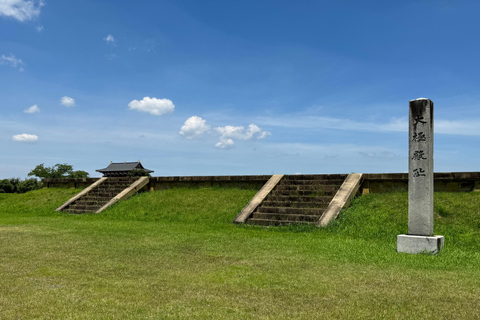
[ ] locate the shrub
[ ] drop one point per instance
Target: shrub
(28, 185)
(15, 185)
(6, 186)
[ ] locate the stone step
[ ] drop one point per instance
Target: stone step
(114, 184)
(84, 208)
(101, 195)
(298, 198)
(308, 182)
(285, 217)
(109, 185)
(83, 202)
(75, 211)
(268, 222)
(302, 187)
(116, 189)
(309, 193)
(312, 182)
(113, 179)
(295, 204)
(315, 177)
(303, 193)
(290, 210)
(104, 194)
(110, 188)
(95, 199)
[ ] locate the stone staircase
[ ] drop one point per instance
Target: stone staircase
(99, 195)
(298, 199)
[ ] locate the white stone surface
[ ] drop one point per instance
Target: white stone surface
(419, 244)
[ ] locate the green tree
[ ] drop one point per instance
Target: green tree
(15, 185)
(57, 171)
(28, 185)
(79, 174)
(6, 186)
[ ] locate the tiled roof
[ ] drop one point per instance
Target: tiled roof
(124, 166)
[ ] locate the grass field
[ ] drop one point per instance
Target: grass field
(176, 255)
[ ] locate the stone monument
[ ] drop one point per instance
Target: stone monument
(420, 236)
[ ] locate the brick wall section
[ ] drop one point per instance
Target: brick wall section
(374, 182)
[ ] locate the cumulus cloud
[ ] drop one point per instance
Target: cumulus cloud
(253, 132)
(228, 133)
(32, 109)
(22, 10)
(109, 39)
(11, 61)
(25, 137)
(67, 101)
(196, 126)
(225, 144)
(153, 106)
(39, 28)
(193, 127)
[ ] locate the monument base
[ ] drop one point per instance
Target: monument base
(419, 244)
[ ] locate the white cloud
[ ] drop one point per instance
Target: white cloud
(32, 109)
(196, 126)
(25, 137)
(22, 10)
(193, 127)
(67, 101)
(109, 39)
(252, 133)
(153, 106)
(39, 28)
(225, 144)
(11, 61)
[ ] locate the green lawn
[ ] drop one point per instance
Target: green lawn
(176, 254)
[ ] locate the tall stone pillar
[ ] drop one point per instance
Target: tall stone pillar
(420, 236)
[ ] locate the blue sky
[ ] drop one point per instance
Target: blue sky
(236, 87)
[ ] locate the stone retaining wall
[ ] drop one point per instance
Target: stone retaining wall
(443, 182)
(68, 183)
(162, 183)
(372, 182)
(242, 182)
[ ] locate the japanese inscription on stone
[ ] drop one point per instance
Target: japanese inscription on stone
(420, 238)
(420, 179)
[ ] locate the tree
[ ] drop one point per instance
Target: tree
(6, 186)
(15, 185)
(57, 171)
(79, 174)
(28, 185)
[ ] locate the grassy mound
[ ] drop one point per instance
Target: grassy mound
(176, 254)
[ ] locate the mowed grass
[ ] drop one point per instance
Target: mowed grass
(176, 254)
